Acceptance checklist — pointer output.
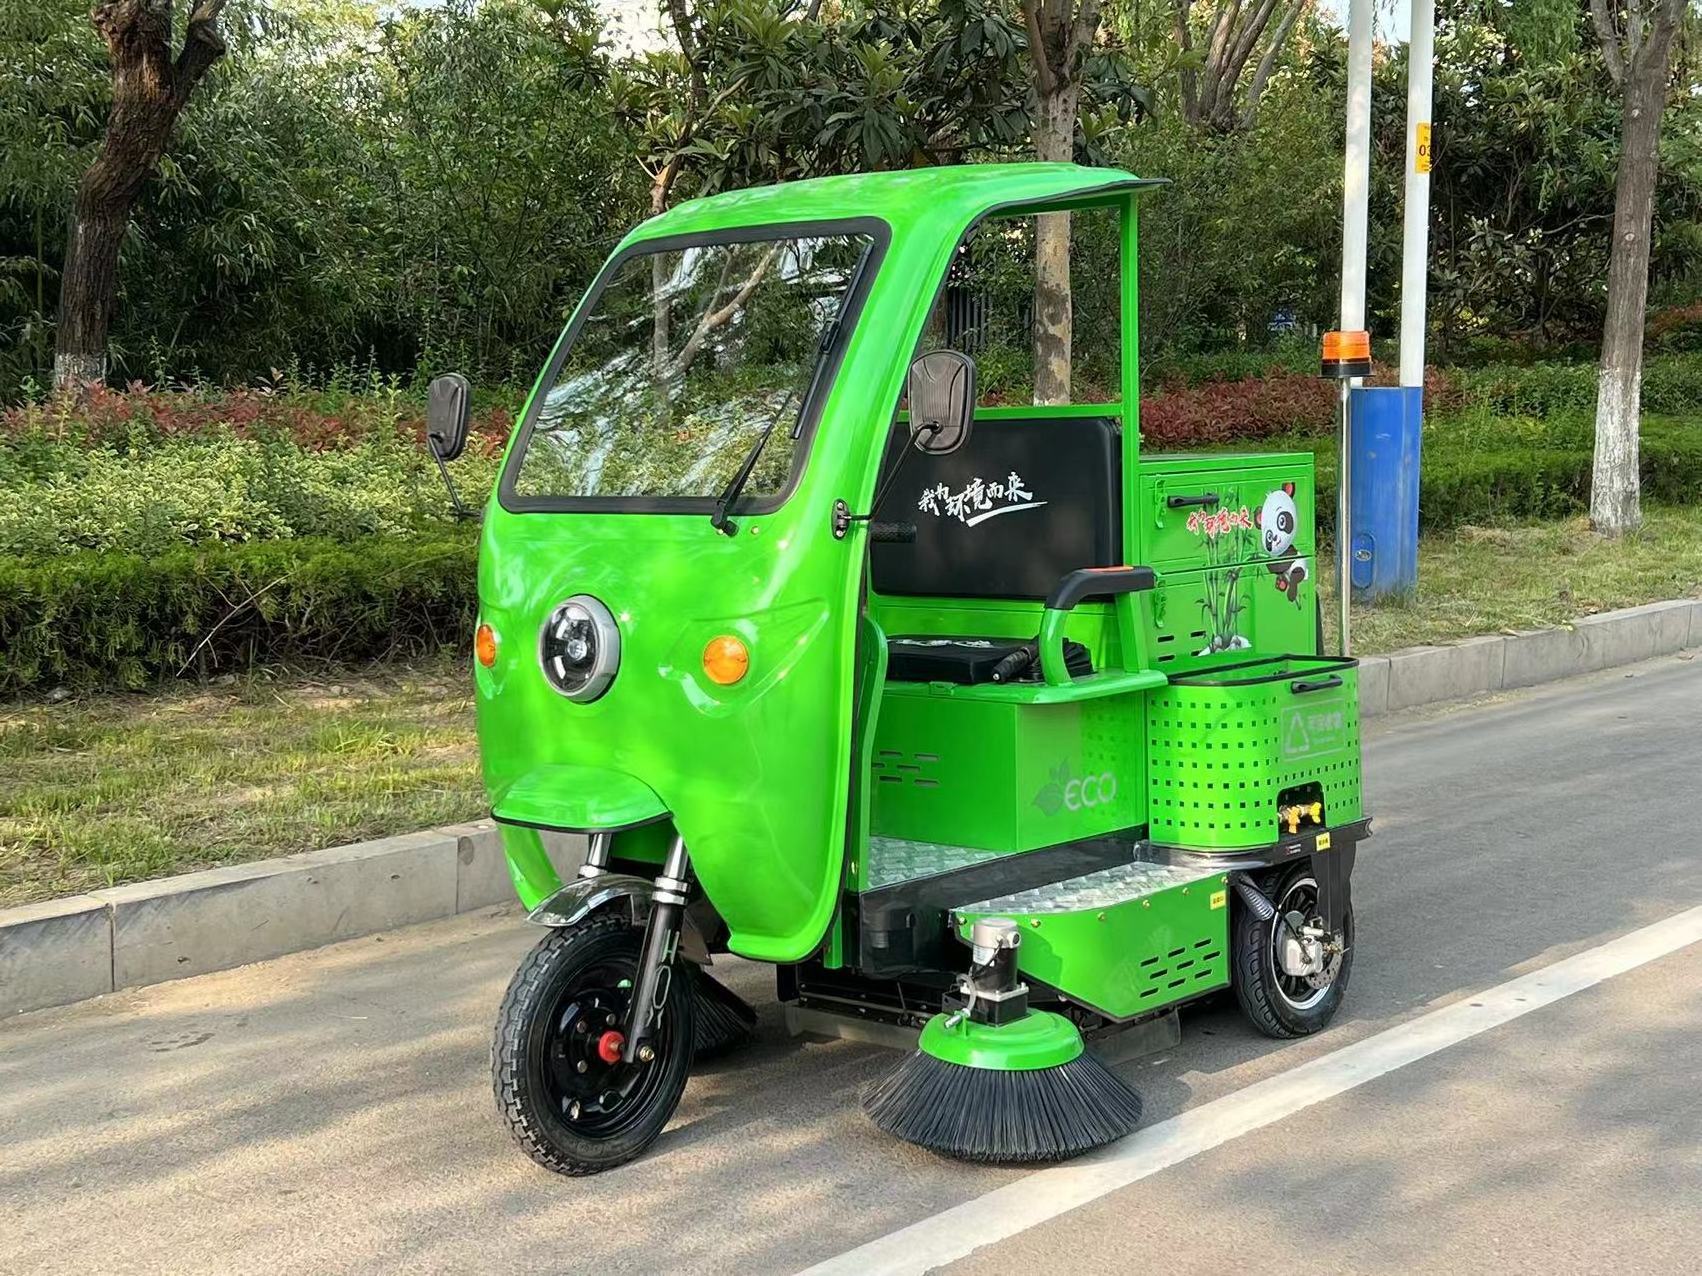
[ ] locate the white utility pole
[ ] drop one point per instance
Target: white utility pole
(1356, 214)
(1415, 234)
(1356, 175)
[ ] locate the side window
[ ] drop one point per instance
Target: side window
(987, 308)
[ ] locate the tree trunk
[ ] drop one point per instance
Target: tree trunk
(1615, 504)
(1054, 140)
(149, 92)
(1060, 34)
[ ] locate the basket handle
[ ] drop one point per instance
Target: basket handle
(1302, 686)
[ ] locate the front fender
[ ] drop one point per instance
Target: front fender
(583, 896)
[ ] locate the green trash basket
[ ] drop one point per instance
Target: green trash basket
(1226, 746)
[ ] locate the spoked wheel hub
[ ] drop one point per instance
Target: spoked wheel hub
(1305, 956)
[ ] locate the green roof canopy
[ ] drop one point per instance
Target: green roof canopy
(958, 194)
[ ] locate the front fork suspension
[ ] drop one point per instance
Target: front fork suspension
(656, 964)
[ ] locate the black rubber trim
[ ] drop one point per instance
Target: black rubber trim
(809, 414)
(581, 828)
(1210, 678)
(1099, 582)
(1279, 852)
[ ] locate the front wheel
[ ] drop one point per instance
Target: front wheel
(567, 1097)
(1287, 984)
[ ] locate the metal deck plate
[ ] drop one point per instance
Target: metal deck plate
(896, 859)
(1108, 886)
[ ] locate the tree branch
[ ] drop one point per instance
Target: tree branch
(1608, 37)
(713, 319)
(1267, 64)
(1044, 78)
(1185, 76)
(202, 46)
(1081, 37)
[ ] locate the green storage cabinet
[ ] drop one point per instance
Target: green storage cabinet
(952, 768)
(1224, 745)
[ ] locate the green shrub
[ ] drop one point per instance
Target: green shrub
(109, 619)
(59, 497)
(1485, 469)
(1672, 383)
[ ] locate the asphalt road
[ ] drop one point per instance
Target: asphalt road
(331, 1111)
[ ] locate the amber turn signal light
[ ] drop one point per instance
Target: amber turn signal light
(726, 660)
(484, 645)
(1347, 354)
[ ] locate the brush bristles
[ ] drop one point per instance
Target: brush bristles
(722, 1019)
(997, 1116)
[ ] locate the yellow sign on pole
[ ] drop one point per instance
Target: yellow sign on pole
(1421, 152)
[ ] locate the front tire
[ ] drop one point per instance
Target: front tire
(570, 1107)
(1275, 1002)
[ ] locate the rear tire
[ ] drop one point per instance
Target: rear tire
(1277, 1004)
(568, 1109)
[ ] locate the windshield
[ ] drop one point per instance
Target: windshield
(683, 359)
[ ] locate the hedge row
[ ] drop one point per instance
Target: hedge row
(1461, 484)
(123, 620)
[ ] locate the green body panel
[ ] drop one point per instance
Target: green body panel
(756, 777)
(1221, 592)
(1005, 776)
(1220, 751)
(1040, 1039)
(1131, 956)
(1179, 540)
(577, 797)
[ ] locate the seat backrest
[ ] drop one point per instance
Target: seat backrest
(1023, 502)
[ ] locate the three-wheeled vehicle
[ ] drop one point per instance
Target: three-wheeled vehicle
(967, 718)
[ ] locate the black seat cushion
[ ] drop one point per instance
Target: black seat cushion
(968, 661)
(1008, 514)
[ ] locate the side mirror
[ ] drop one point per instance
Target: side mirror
(942, 401)
(448, 409)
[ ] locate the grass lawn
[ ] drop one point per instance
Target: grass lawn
(110, 789)
(1490, 580)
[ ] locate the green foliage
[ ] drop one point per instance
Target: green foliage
(411, 187)
(1672, 384)
(1481, 469)
(148, 473)
(879, 86)
(1249, 229)
(1527, 129)
(186, 491)
(115, 619)
(417, 186)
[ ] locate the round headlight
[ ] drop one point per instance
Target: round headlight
(580, 648)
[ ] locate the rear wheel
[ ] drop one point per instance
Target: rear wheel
(1287, 987)
(561, 1086)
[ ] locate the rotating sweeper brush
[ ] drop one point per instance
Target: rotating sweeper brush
(993, 1081)
(722, 1018)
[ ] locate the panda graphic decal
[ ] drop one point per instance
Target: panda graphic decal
(1277, 520)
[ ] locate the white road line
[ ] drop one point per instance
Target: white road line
(1044, 1195)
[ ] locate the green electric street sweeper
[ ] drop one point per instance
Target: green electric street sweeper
(965, 715)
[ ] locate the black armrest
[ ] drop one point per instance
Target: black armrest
(1099, 582)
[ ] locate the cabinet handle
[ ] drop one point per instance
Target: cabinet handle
(1182, 502)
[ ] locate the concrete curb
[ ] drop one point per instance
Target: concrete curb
(66, 950)
(1505, 662)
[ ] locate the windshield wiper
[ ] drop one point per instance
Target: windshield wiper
(724, 503)
(719, 520)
